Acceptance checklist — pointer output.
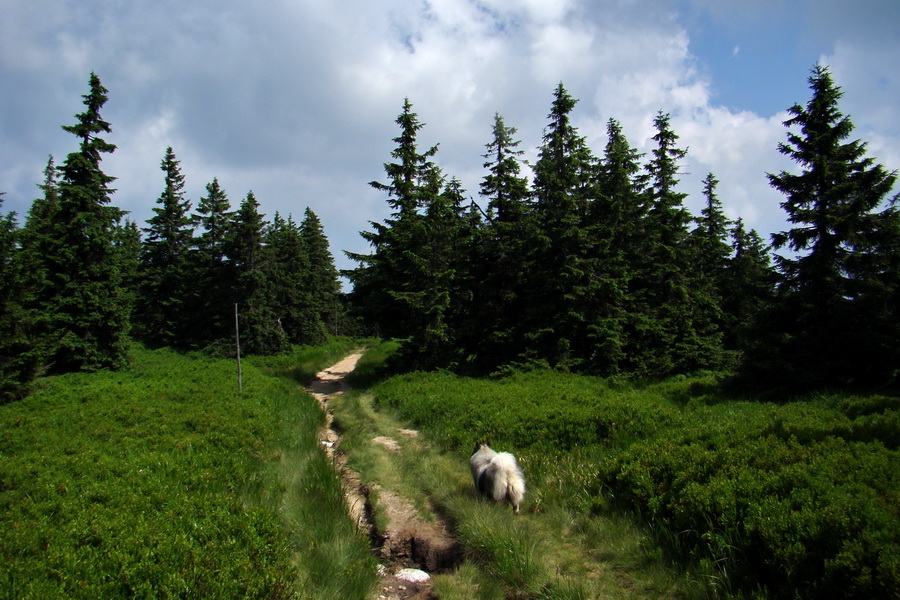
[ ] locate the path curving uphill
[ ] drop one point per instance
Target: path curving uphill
(410, 548)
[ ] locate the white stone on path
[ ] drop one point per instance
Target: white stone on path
(413, 576)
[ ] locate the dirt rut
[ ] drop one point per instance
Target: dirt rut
(407, 541)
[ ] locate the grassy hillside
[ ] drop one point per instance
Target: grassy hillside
(164, 481)
(794, 500)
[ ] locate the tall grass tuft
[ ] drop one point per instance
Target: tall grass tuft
(505, 546)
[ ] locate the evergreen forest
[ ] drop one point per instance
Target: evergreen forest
(79, 279)
(592, 265)
(596, 266)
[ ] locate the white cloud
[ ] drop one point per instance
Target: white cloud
(870, 94)
(296, 99)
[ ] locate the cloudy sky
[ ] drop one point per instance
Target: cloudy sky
(296, 99)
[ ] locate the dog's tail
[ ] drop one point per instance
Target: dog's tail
(508, 482)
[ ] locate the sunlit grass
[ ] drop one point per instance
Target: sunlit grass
(165, 481)
(708, 495)
(558, 548)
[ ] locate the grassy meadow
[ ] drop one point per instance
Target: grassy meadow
(679, 489)
(163, 481)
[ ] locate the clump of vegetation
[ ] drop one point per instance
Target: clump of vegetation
(163, 480)
(795, 499)
(784, 496)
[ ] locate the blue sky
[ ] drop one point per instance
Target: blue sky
(296, 99)
(739, 61)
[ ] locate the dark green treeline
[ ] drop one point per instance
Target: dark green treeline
(596, 265)
(77, 279)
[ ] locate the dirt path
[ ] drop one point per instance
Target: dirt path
(410, 548)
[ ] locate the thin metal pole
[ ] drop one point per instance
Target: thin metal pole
(237, 337)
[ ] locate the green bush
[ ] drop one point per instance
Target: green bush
(164, 481)
(800, 498)
(540, 410)
(774, 494)
(129, 484)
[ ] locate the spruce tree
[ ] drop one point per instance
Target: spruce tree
(504, 186)
(387, 284)
(679, 331)
(747, 287)
(562, 283)
(37, 236)
(251, 287)
(208, 304)
(434, 291)
(38, 242)
(82, 297)
(323, 283)
(161, 316)
(710, 236)
(617, 214)
(710, 251)
(835, 320)
(501, 255)
(291, 278)
(127, 245)
(16, 364)
(214, 217)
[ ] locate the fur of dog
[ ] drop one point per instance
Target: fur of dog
(498, 476)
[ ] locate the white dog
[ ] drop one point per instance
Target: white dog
(497, 475)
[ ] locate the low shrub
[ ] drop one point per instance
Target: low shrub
(540, 410)
(773, 493)
(801, 499)
(163, 481)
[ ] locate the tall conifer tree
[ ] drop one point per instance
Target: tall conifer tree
(502, 254)
(748, 286)
(710, 252)
(211, 319)
(83, 297)
(290, 273)
(37, 236)
(435, 297)
(617, 214)
(323, 281)
(127, 244)
(387, 284)
(251, 286)
(562, 285)
(678, 332)
(38, 242)
(161, 316)
(16, 363)
(836, 317)
(710, 237)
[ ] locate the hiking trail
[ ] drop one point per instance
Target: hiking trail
(410, 548)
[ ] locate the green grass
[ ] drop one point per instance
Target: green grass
(332, 557)
(552, 550)
(164, 481)
(745, 498)
(302, 365)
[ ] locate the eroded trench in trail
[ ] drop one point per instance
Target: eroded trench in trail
(408, 544)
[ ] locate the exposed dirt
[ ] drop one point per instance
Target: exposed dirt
(409, 544)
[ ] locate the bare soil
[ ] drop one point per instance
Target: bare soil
(408, 541)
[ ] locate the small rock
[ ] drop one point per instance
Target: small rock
(413, 575)
(327, 443)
